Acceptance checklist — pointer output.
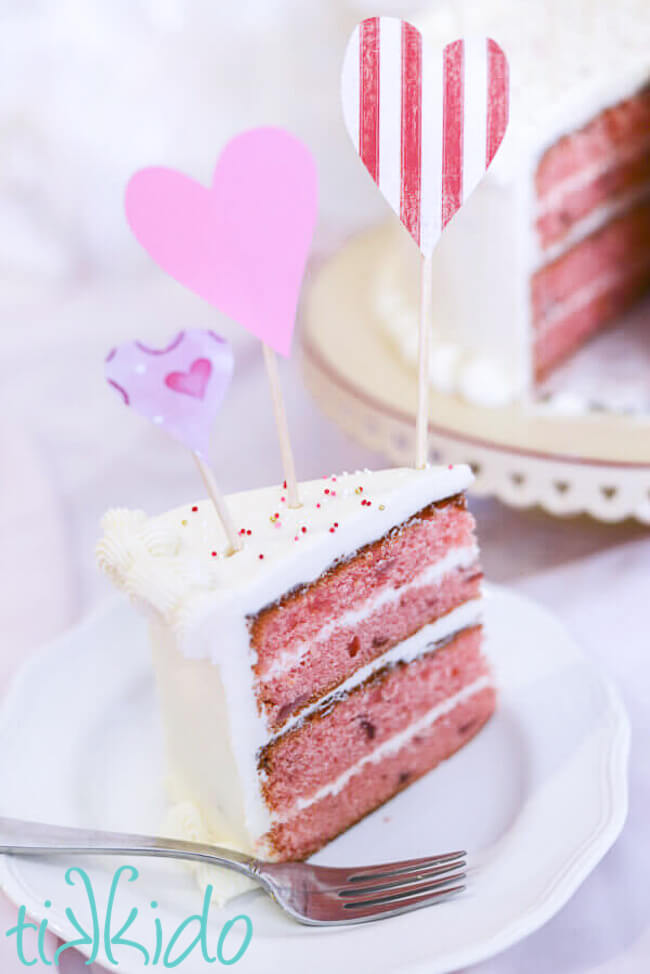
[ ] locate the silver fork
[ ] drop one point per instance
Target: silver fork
(319, 895)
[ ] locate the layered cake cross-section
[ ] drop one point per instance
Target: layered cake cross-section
(331, 662)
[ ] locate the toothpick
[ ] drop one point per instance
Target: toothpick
(282, 426)
(219, 502)
(422, 417)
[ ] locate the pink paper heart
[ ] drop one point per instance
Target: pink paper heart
(241, 243)
(426, 124)
(193, 382)
(197, 364)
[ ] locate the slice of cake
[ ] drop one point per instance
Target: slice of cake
(335, 659)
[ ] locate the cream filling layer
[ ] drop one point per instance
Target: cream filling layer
(459, 558)
(465, 615)
(391, 746)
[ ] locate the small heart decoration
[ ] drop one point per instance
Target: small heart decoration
(179, 388)
(241, 243)
(425, 124)
(193, 382)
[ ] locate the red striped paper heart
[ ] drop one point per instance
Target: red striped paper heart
(426, 124)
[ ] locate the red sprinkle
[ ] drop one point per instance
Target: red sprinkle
(331, 530)
(214, 554)
(283, 499)
(318, 505)
(249, 532)
(450, 467)
(326, 491)
(336, 524)
(260, 556)
(284, 484)
(195, 508)
(304, 530)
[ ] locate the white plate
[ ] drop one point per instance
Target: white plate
(537, 799)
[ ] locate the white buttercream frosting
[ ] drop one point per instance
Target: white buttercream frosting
(176, 565)
(567, 60)
(185, 820)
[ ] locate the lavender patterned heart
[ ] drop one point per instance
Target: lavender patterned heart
(179, 388)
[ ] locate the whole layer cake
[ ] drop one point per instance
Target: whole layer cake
(336, 658)
(555, 243)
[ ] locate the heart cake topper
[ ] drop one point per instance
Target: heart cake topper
(241, 243)
(426, 124)
(179, 388)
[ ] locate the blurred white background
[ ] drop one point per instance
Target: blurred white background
(91, 90)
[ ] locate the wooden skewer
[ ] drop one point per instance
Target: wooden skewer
(219, 502)
(422, 417)
(282, 426)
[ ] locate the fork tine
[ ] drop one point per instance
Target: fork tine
(407, 879)
(396, 907)
(403, 893)
(386, 870)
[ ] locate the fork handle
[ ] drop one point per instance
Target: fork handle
(19, 837)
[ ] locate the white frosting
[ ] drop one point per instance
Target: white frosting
(186, 821)
(166, 564)
(391, 746)
(568, 61)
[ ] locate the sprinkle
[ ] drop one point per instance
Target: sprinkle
(260, 557)
(358, 490)
(184, 523)
(450, 467)
(333, 493)
(326, 491)
(382, 507)
(334, 479)
(318, 505)
(273, 518)
(283, 499)
(195, 508)
(331, 530)
(336, 524)
(249, 532)
(304, 530)
(284, 484)
(214, 554)
(242, 530)
(296, 538)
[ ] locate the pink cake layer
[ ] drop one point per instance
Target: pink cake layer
(303, 619)
(610, 268)
(376, 782)
(567, 334)
(324, 746)
(330, 661)
(604, 158)
(622, 181)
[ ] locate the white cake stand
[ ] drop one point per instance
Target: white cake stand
(597, 463)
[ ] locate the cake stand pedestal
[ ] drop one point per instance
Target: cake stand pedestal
(597, 463)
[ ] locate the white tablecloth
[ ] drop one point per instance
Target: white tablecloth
(69, 450)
